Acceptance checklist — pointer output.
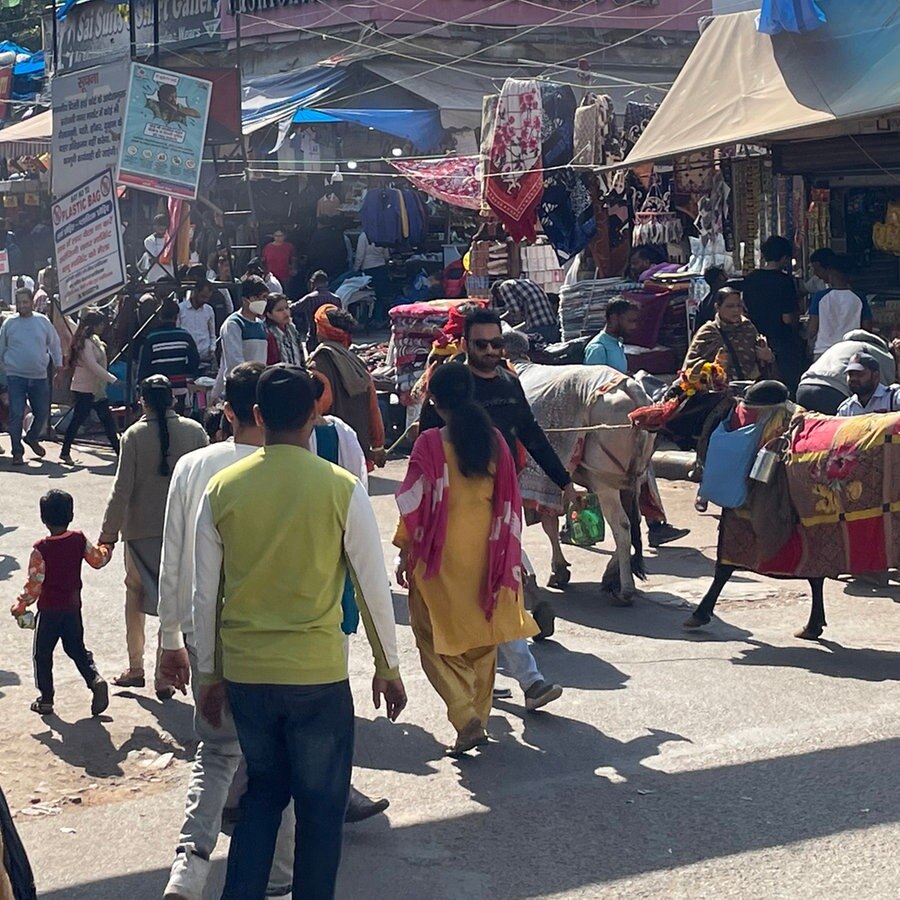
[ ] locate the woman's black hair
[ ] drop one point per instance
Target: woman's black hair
(471, 431)
(156, 392)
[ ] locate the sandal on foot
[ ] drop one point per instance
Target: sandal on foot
(130, 678)
(42, 707)
(472, 735)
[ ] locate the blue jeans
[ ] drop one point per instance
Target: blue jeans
(37, 392)
(298, 743)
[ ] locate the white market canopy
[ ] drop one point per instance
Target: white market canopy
(741, 86)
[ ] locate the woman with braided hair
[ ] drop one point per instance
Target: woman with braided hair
(137, 505)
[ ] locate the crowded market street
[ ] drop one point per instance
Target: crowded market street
(735, 762)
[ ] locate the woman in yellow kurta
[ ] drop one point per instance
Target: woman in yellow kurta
(461, 557)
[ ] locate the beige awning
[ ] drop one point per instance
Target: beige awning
(37, 128)
(740, 86)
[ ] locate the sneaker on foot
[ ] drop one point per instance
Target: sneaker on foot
(18, 460)
(67, 459)
(663, 533)
(36, 447)
(188, 876)
(540, 694)
(100, 690)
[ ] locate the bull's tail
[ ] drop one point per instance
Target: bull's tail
(631, 505)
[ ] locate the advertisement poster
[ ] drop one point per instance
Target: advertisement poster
(87, 124)
(88, 239)
(164, 130)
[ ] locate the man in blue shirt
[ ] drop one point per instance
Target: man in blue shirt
(608, 347)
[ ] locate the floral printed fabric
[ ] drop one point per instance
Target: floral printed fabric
(453, 180)
(513, 173)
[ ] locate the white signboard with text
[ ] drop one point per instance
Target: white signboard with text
(90, 258)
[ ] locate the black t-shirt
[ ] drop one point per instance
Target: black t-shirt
(769, 295)
(505, 402)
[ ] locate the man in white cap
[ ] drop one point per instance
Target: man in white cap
(868, 394)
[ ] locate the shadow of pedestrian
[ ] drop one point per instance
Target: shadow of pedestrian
(174, 717)
(8, 565)
(87, 745)
(574, 669)
(395, 747)
(8, 679)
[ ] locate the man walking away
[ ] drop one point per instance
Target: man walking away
(169, 350)
(28, 342)
(838, 309)
(271, 635)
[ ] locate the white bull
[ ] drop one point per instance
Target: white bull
(584, 412)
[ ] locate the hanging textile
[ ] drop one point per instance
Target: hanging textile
(797, 16)
(514, 177)
(454, 180)
(566, 210)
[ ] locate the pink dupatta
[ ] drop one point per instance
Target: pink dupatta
(424, 508)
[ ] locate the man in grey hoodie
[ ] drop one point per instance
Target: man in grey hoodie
(823, 386)
(28, 342)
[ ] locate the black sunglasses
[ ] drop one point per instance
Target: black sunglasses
(482, 344)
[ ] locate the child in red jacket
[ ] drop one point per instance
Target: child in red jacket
(54, 582)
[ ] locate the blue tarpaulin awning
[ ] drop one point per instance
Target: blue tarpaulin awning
(271, 98)
(312, 96)
(420, 126)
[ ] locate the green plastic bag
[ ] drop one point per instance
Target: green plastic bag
(586, 525)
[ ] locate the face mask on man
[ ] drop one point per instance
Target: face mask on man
(258, 307)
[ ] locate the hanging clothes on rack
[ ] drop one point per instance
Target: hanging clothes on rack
(566, 211)
(514, 176)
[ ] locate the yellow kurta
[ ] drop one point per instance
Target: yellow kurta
(453, 596)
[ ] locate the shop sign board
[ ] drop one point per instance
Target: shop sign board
(90, 257)
(87, 124)
(97, 31)
(264, 16)
(164, 130)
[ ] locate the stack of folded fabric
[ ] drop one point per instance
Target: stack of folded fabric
(582, 305)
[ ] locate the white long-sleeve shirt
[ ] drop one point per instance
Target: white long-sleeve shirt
(200, 324)
(190, 477)
(350, 453)
(370, 256)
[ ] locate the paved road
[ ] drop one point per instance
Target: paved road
(738, 763)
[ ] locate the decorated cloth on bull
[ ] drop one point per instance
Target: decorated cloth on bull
(843, 475)
(562, 397)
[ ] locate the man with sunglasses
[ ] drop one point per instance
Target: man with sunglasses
(503, 399)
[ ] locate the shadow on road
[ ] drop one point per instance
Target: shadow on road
(8, 565)
(551, 824)
(658, 615)
(400, 747)
(577, 670)
(8, 679)
(826, 658)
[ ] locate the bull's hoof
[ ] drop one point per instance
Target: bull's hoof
(809, 632)
(694, 622)
(560, 576)
(619, 599)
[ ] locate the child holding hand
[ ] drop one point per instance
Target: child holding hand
(54, 582)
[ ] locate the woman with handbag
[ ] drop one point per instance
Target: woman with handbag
(730, 339)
